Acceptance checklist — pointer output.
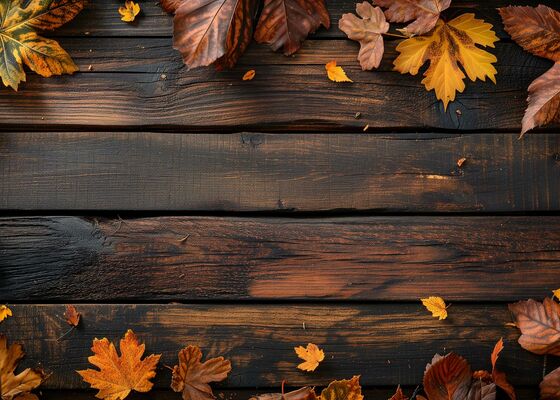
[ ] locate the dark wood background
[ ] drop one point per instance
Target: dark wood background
(251, 217)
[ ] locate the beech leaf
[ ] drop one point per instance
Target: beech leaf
(345, 389)
(436, 305)
(129, 11)
(425, 13)
(447, 377)
(312, 356)
(335, 73)
(5, 312)
(550, 386)
(367, 30)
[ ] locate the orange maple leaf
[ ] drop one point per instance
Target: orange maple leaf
(312, 356)
(119, 375)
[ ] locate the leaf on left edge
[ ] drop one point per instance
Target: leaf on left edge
(5, 312)
(345, 389)
(335, 73)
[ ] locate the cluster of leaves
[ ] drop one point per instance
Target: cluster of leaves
(540, 334)
(218, 32)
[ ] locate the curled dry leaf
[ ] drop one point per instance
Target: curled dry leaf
(399, 395)
(335, 73)
(436, 305)
(249, 75)
(286, 23)
(312, 356)
(345, 389)
(550, 386)
(447, 377)
(5, 312)
(119, 375)
(447, 46)
(72, 316)
(543, 100)
(129, 11)
(367, 30)
(191, 377)
(425, 13)
(539, 324)
(18, 386)
(304, 393)
(21, 44)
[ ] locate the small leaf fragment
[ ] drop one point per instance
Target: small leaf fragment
(16, 386)
(335, 73)
(436, 305)
(424, 13)
(399, 395)
(5, 312)
(249, 75)
(129, 11)
(304, 393)
(550, 386)
(312, 356)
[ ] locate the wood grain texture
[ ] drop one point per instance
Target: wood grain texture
(272, 172)
(386, 343)
(56, 259)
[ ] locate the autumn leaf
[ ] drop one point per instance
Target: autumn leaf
(304, 393)
(119, 375)
(556, 293)
(436, 305)
(499, 377)
(72, 316)
(345, 389)
(481, 390)
(191, 377)
(249, 75)
(367, 31)
(336, 74)
(286, 23)
(312, 355)
(447, 46)
(447, 377)
(425, 13)
(539, 324)
(21, 44)
(18, 386)
(550, 386)
(399, 395)
(129, 11)
(5, 312)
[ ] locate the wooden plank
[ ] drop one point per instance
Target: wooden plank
(54, 259)
(287, 95)
(387, 344)
(277, 172)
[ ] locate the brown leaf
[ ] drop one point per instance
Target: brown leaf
(304, 393)
(539, 324)
(480, 390)
(191, 377)
(16, 386)
(499, 377)
(367, 31)
(286, 23)
(249, 75)
(345, 389)
(119, 375)
(447, 377)
(399, 395)
(544, 100)
(72, 316)
(483, 375)
(425, 13)
(550, 386)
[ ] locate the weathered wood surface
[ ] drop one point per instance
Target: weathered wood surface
(387, 344)
(56, 259)
(270, 172)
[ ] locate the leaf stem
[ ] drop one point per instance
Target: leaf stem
(396, 35)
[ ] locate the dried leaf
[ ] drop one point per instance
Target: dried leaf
(72, 316)
(447, 377)
(119, 375)
(481, 390)
(191, 377)
(556, 293)
(447, 46)
(5, 312)
(129, 11)
(336, 74)
(499, 377)
(436, 305)
(16, 386)
(399, 395)
(425, 13)
(249, 75)
(21, 44)
(312, 355)
(367, 31)
(550, 386)
(304, 393)
(483, 375)
(286, 23)
(461, 161)
(345, 389)
(539, 324)
(544, 100)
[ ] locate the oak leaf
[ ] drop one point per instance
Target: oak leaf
(72, 316)
(425, 13)
(304, 393)
(191, 377)
(12, 386)
(119, 375)
(367, 30)
(312, 356)
(5, 312)
(539, 324)
(447, 377)
(550, 386)
(129, 11)
(335, 73)
(345, 389)
(436, 305)
(447, 46)
(286, 23)
(20, 43)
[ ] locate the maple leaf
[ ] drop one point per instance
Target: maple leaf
(448, 45)
(129, 11)
(119, 375)
(21, 44)
(336, 74)
(367, 30)
(249, 75)
(499, 377)
(286, 23)
(5, 312)
(191, 377)
(312, 355)
(345, 389)
(304, 393)
(14, 386)
(447, 377)
(436, 305)
(72, 316)
(424, 12)
(550, 386)
(399, 395)
(539, 324)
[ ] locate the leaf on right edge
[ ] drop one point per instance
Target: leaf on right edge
(539, 324)
(367, 30)
(550, 386)
(447, 377)
(499, 377)
(345, 389)
(5, 312)
(425, 13)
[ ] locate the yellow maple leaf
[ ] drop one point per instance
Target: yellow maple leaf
(5, 312)
(119, 375)
(129, 11)
(447, 46)
(436, 305)
(345, 389)
(555, 293)
(336, 74)
(312, 356)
